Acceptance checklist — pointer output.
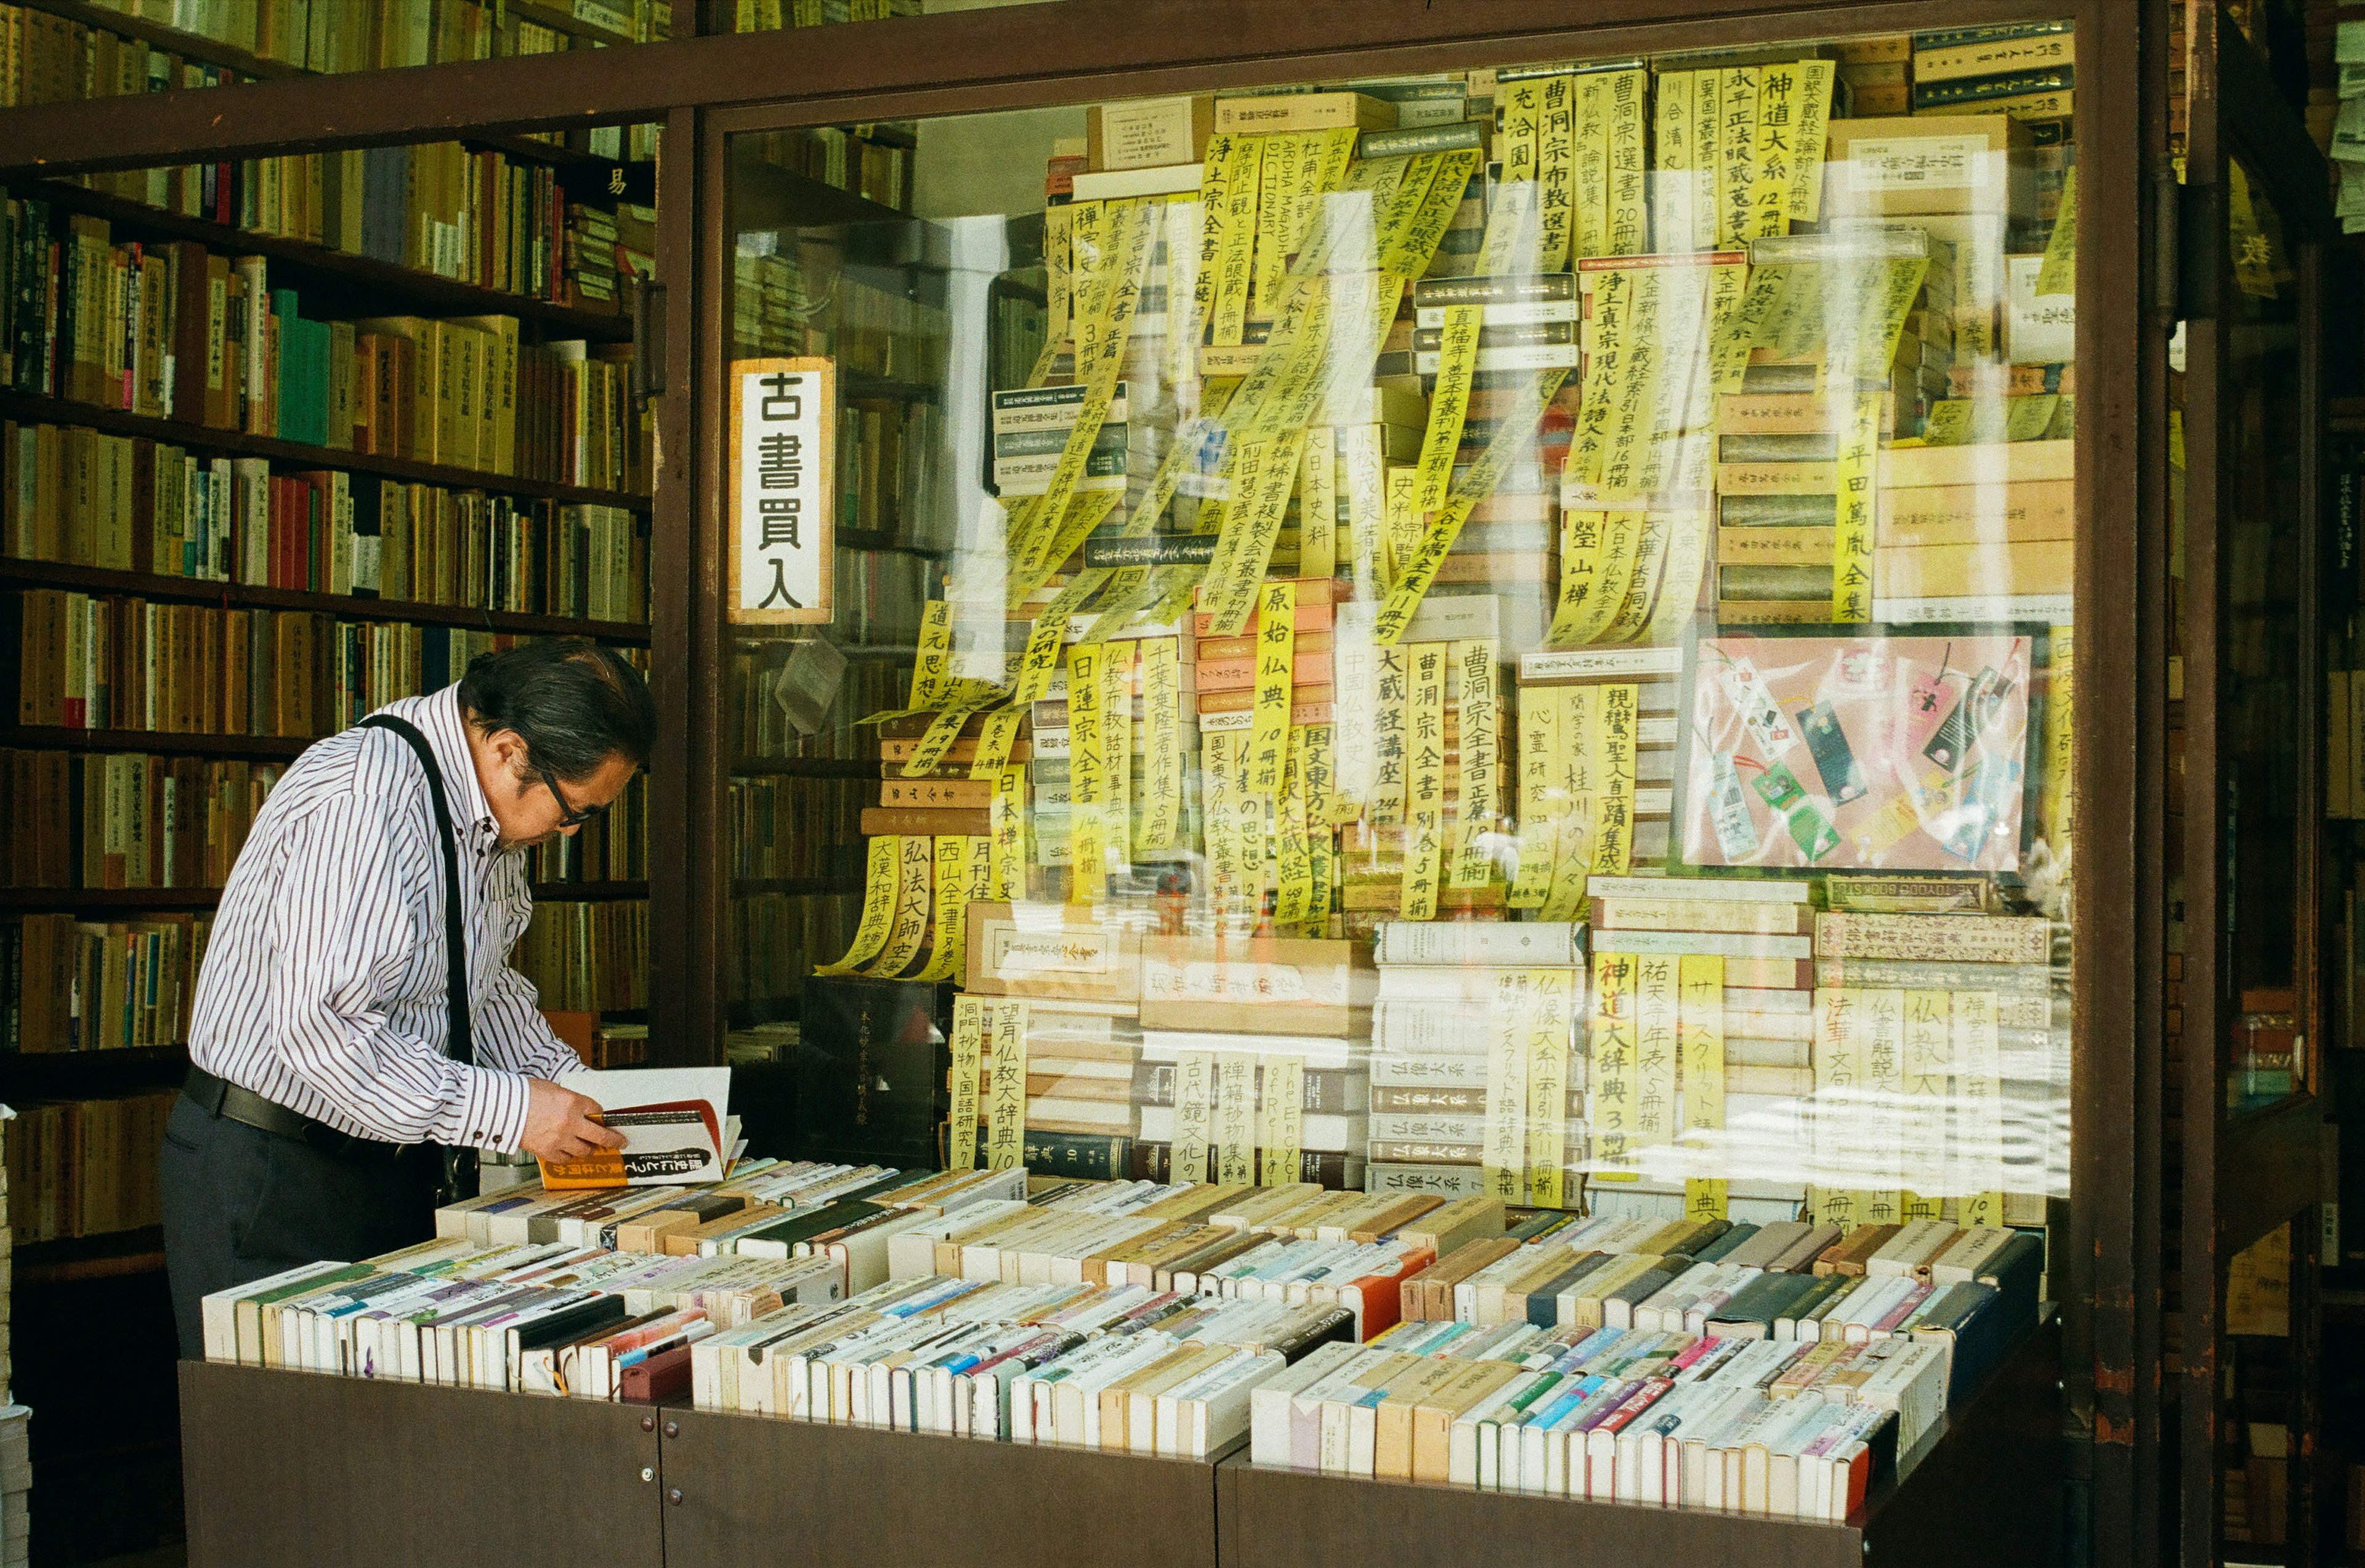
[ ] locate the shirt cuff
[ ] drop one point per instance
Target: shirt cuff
(491, 1112)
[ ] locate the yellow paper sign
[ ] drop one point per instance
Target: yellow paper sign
(1392, 757)
(1979, 1095)
(1161, 709)
(995, 739)
(1235, 1119)
(1282, 1112)
(1504, 1164)
(969, 1048)
(1317, 507)
(913, 865)
(1614, 739)
(879, 885)
(1473, 866)
(1702, 980)
(1851, 534)
(1539, 782)
(1005, 1089)
(1556, 172)
(945, 934)
(1549, 1015)
(1263, 475)
(1615, 1076)
(1276, 644)
(1425, 779)
(1626, 227)
(1293, 853)
(1195, 1115)
(1088, 826)
(1006, 819)
(1449, 407)
(1579, 757)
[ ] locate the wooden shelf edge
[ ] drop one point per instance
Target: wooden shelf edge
(261, 748)
(447, 293)
(22, 901)
(761, 887)
(152, 584)
(34, 407)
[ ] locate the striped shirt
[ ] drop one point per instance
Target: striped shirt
(323, 983)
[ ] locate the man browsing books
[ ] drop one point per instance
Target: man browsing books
(355, 1008)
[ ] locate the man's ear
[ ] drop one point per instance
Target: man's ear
(510, 748)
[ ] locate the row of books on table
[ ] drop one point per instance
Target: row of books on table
(1775, 1368)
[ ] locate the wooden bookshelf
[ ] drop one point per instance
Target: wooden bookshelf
(207, 590)
(108, 1255)
(758, 886)
(203, 51)
(806, 766)
(873, 538)
(109, 901)
(255, 748)
(778, 197)
(430, 291)
(84, 1075)
(34, 407)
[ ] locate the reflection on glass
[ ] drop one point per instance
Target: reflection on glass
(2264, 529)
(1501, 635)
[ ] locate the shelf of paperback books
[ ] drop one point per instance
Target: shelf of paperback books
(320, 265)
(213, 590)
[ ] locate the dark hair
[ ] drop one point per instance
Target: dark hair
(575, 703)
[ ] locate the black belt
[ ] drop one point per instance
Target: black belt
(220, 1097)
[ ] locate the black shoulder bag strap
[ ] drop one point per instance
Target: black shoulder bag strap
(459, 1176)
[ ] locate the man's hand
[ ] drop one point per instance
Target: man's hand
(562, 1125)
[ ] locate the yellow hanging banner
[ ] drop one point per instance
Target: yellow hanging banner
(1281, 1100)
(1262, 484)
(1614, 739)
(1321, 783)
(1550, 1015)
(1475, 715)
(1700, 977)
(1088, 828)
(1117, 740)
(1392, 749)
(1503, 1164)
(912, 903)
(1449, 407)
(1736, 168)
(1851, 534)
(1195, 1115)
(2060, 782)
(1578, 753)
(943, 730)
(1556, 173)
(1228, 232)
(1161, 713)
(1317, 507)
(1775, 152)
(1614, 1076)
(1425, 779)
(1539, 803)
(1811, 140)
(1626, 225)
(1219, 785)
(1007, 822)
(969, 1069)
(1658, 1003)
(1235, 1120)
(995, 739)
(1005, 1088)
(1928, 1081)
(931, 663)
(879, 885)
(1293, 853)
(1514, 437)
(1276, 643)
(951, 912)
(1978, 1110)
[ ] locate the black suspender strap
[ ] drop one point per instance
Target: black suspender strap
(459, 1044)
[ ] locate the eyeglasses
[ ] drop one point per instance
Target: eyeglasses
(568, 815)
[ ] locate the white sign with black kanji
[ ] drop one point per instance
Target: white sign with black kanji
(783, 448)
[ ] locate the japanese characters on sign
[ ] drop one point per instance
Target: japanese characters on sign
(783, 446)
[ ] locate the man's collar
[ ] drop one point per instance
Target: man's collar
(448, 733)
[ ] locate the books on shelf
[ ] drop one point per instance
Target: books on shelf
(125, 821)
(588, 957)
(85, 1166)
(90, 319)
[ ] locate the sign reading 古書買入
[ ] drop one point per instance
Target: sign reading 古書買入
(783, 445)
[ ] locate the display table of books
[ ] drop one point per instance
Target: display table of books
(1202, 1370)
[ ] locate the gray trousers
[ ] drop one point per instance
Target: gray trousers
(241, 1204)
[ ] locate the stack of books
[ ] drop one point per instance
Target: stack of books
(1878, 72)
(1971, 1103)
(1030, 429)
(1460, 1042)
(85, 1166)
(1697, 960)
(1085, 1088)
(100, 986)
(2025, 69)
(1978, 532)
(119, 821)
(1271, 1077)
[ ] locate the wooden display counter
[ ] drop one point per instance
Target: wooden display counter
(298, 1469)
